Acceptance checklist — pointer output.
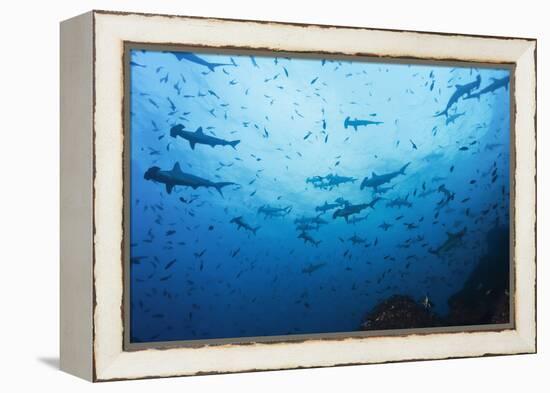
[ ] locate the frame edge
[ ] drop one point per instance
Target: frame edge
(76, 175)
(524, 340)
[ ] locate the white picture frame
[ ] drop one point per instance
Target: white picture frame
(92, 181)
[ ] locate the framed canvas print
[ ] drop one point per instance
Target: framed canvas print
(245, 195)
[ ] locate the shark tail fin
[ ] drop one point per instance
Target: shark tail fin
(233, 144)
(220, 185)
(402, 170)
(346, 122)
(233, 62)
(212, 66)
(444, 112)
(254, 230)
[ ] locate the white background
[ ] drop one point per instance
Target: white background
(29, 196)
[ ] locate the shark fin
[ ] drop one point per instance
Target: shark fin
(199, 131)
(192, 144)
(402, 170)
(176, 167)
(374, 174)
(169, 188)
(220, 185)
(180, 55)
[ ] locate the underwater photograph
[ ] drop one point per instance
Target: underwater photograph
(281, 194)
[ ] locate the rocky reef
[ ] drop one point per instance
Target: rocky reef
(399, 312)
(484, 298)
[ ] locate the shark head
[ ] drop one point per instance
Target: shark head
(346, 122)
(151, 173)
(176, 130)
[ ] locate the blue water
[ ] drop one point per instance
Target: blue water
(195, 275)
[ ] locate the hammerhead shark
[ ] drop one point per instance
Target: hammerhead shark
(199, 137)
(312, 267)
(308, 239)
(357, 122)
(461, 90)
(326, 207)
(452, 118)
(176, 177)
(200, 61)
(453, 240)
(497, 84)
(399, 202)
(376, 181)
(272, 211)
(242, 224)
(354, 209)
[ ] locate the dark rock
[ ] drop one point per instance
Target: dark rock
(484, 297)
(399, 312)
(482, 300)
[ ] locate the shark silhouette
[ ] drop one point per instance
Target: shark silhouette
(497, 84)
(239, 221)
(272, 211)
(357, 122)
(377, 180)
(176, 177)
(354, 209)
(308, 239)
(199, 137)
(453, 240)
(460, 91)
(200, 61)
(312, 268)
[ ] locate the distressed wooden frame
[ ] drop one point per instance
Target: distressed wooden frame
(92, 152)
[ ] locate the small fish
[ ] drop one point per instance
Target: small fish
(169, 264)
